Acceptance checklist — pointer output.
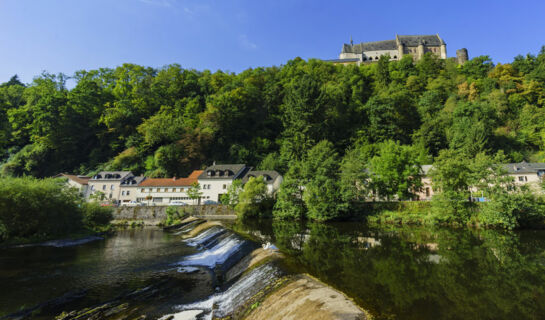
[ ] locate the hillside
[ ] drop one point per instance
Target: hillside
(169, 121)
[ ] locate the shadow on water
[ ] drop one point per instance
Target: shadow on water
(419, 273)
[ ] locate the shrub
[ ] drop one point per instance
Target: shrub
(96, 216)
(34, 209)
(174, 216)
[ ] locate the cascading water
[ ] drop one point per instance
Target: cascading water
(225, 303)
(204, 237)
(218, 254)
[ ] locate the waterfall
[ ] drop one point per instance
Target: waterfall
(225, 303)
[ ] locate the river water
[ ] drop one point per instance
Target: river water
(393, 272)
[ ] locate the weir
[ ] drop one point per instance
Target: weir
(220, 274)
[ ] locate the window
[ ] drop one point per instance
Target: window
(181, 189)
(173, 189)
(103, 187)
(224, 186)
(427, 192)
(142, 190)
(122, 193)
(92, 188)
(128, 193)
(523, 178)
(166, 189)
(111, 187)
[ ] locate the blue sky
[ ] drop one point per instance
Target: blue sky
(69, 35)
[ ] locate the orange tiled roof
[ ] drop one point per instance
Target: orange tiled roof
(171, 182)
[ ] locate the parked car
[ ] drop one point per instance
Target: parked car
(210, 202)
(177, 203)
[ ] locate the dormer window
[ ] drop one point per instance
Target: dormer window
(210, 173)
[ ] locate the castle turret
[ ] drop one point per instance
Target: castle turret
(443, 48)
(462, 56)
(400, 47)
(420, 51)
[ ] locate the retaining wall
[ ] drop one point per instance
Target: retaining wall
(156, 214)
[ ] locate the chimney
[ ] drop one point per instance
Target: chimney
(214, 163)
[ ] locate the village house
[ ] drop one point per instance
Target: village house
(523, 173)
(163, 191)
(527, 173)
(216, 179)
(272, 179)
(426, 191)
(81, 183)
(106, 184)
(129, 189)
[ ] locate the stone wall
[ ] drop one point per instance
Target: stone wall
(156, 214)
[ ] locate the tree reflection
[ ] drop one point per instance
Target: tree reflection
(421, 273)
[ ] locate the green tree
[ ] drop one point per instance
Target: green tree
(194, 192)
(322, 193)
(395, 171)
(252, 201)
(231, 198)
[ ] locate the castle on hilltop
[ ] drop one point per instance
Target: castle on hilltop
(417, 46)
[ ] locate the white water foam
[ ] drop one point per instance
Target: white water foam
(203, 237)
(225, 303)
(184, 315)
(218, 254)
(188, 269)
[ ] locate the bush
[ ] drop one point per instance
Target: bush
(174, 216)
(96, 216)
(37, 209)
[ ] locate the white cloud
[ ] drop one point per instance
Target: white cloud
(160, 3)
(246, 43)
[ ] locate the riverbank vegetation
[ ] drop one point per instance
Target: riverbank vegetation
(40, 209)
(339, 134)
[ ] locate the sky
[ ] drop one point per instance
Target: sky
(233, 35)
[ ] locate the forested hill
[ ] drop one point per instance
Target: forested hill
(168, 121)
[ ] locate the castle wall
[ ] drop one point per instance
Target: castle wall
(375, 55)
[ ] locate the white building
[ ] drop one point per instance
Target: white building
(129, 189)
(272, 178)
(161, 191)
(107, 184)
(79, 182)
(216, 179)
(529, 173)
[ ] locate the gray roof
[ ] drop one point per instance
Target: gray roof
(524, 167)
(111, 175)
(409, 41)
(224, 171)
(133, 181)
(414, 41)
(370, 46)
(269, 175)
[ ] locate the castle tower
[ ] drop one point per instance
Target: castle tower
(400, 47)
(443, 48)
(462, 56)
(420, 51)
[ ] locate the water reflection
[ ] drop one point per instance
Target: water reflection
(419, 273)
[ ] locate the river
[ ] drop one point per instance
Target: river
(392, 272)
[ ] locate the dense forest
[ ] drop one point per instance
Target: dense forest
(338, 134)
(169, 121)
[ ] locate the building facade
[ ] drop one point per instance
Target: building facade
(162, 191)
(415, 45)
(216, 179)
(81, 183)
(105, 185)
